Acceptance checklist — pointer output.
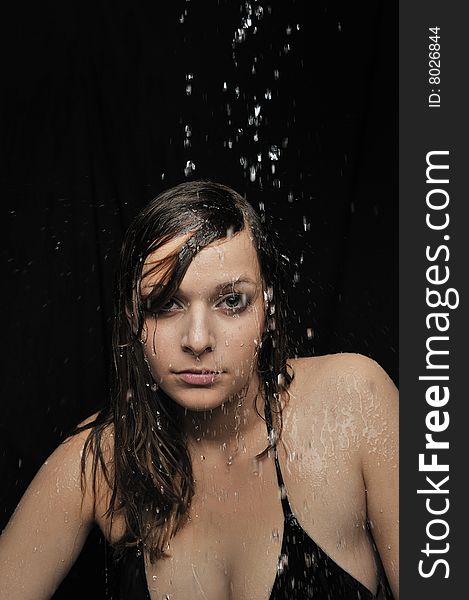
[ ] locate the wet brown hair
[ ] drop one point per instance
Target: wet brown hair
(150, 473)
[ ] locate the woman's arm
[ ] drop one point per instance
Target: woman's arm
(380, 463)
(47, 531)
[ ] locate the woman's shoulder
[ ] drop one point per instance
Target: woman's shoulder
(99, 426)
(347, 388)
(49, 525)
(333, 372)
(337, 364)
(71, 450)
(101, 448)
(96, 438)
(92, 436)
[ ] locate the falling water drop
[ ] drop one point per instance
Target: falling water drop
(190, 166)
(274, 153)
(282, 563)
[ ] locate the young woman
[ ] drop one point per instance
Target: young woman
(221, 467)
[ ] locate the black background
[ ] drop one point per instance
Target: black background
(94, 116)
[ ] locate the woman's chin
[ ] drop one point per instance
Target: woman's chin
(200, 399)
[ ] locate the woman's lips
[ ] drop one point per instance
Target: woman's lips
(199, 378)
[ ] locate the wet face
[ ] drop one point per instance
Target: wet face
(213, 324)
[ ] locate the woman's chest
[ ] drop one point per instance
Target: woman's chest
(230, 544)
(231, 548)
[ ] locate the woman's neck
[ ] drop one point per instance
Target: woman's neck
(231, 430)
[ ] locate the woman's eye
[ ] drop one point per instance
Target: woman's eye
(167, 306)
(236, 302)
(150, 307)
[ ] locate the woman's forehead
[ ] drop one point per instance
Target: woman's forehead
(229, 259)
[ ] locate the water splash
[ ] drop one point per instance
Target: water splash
(250, 119)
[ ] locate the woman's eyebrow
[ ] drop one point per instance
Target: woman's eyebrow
(224, 286)
(217, 289)
(230, 284)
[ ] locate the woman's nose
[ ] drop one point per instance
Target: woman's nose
(197, 335)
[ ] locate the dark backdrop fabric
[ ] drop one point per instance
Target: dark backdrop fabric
(107, 103)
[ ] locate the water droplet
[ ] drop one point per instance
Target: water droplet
(272, 437)
(282, 563)
(190, 166)
(274, 153)
(309, 559)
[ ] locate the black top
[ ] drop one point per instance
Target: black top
(304, 570)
